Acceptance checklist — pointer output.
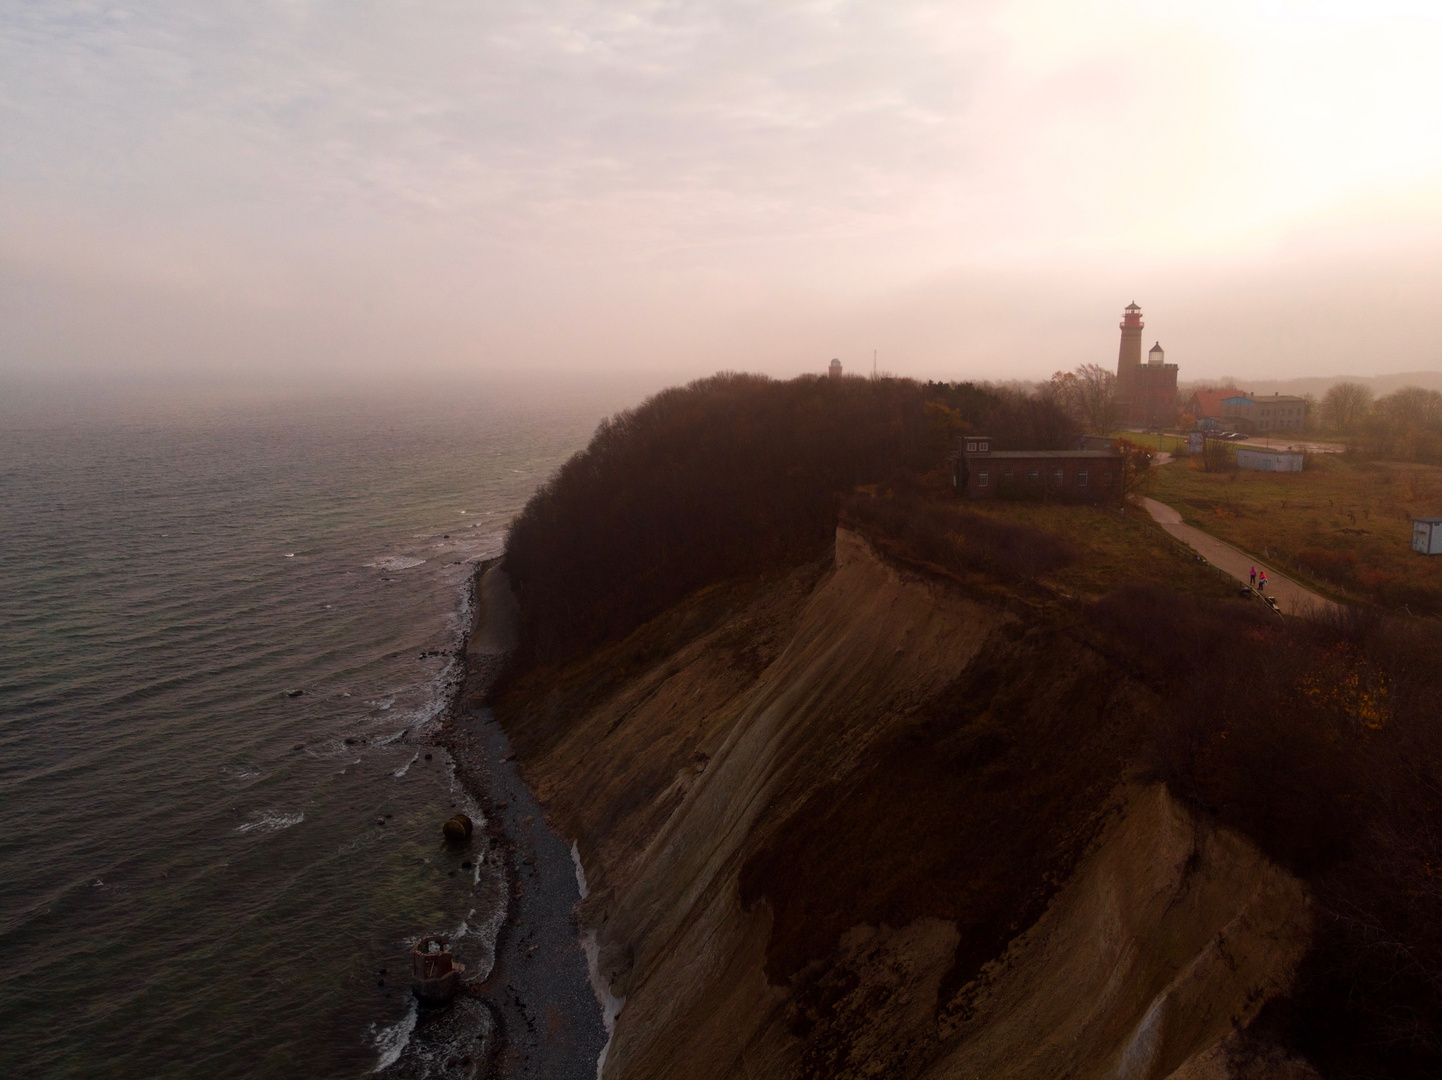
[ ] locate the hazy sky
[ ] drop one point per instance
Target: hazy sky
(282, 187)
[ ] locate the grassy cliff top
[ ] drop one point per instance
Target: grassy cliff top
(1342, 526)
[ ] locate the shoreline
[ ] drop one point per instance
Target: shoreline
(545, 1018)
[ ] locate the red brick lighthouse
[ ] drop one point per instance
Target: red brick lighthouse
(1146, 393)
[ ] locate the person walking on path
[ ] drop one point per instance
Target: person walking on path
(1253, 581)
(1292, 598)
(1262, 582)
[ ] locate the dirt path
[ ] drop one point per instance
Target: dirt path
(1292, 599)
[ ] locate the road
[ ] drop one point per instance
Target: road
(1294, 444)
(1292, 599)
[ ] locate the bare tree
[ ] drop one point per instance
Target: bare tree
(1345, 406)
(1064, 391)
(1087, 395)
(1310, 417)
(1411, 406)
(1136, 463)
(1097, 389)
(1218, 456)
(1406, 425)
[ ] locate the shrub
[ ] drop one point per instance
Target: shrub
(1318, 741)
(958, 540)
(732, 475)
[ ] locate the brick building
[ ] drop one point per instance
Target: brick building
(1146, 393)
(982, 473)
(1205, 407)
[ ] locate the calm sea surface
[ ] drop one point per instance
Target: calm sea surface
(194, 875)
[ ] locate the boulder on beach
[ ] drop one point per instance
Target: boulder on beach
(458, 828)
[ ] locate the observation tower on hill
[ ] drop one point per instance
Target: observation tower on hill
(1146, 393)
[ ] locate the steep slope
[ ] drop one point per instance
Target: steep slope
(815, 809)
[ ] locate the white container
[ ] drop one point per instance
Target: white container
(1427, 535)
(1269, 460)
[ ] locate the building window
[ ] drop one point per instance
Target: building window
(983, 478)
(1032, 476)
(1081, 478)
(971, 447)
(982, 446)
(1006, 475)
(1058, 477)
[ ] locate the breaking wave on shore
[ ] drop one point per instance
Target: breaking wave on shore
(230, 739)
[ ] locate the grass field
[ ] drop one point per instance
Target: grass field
(1155, 439)
(1341, 526)
(1114, 550)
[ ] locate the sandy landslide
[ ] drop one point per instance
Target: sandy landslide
(1163, 938)
(1168, 936)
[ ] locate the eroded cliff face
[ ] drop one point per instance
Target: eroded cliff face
(854, 822)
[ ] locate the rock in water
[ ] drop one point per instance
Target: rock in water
(458, 828)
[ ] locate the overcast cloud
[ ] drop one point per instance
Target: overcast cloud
(969, 188)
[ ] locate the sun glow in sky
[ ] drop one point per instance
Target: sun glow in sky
(975, 189)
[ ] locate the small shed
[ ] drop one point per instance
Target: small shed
(1427, 535)
(1269, 460)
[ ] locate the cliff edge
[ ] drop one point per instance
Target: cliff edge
(853, 820)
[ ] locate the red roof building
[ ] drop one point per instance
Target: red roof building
(1207, 404)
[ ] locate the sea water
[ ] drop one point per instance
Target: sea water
(202, 871)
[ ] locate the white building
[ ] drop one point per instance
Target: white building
(1269, 460)
(1427, 535)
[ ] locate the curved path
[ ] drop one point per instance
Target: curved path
(1292, 599)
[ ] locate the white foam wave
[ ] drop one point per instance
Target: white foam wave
(331, 748)
(391, 1041)
(270, 820)
(461, 930)
(407, 766)
(580, 870)
(395, 562)
(611, 1005)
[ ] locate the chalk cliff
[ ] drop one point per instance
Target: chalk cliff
(854, 821)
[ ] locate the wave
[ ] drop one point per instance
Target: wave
(331, 748)
(395, 562)
(391, 1041)
(271, 820)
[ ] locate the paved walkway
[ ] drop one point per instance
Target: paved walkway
(1292, 599)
